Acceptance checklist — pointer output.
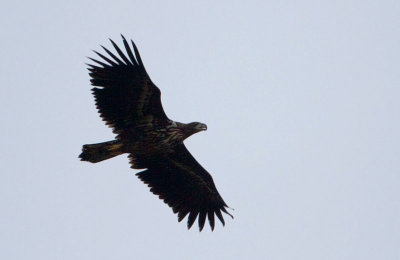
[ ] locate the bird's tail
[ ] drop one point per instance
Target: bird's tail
(102, 151)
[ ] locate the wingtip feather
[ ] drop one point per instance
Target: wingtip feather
(192, 219)
(202, 220)
(220, 217)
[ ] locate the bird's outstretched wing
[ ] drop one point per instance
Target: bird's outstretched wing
(182, 183)
(123, 91)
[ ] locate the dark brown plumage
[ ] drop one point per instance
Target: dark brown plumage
(130, 104)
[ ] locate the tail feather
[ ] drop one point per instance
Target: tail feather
(102, 151)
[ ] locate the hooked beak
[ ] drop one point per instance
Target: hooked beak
(202, 127)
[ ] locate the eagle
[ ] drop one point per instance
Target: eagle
(130, 103)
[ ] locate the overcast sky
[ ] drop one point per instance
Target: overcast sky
(301, 99)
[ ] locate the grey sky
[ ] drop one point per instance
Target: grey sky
(301, 99)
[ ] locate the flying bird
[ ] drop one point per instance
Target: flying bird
(130, 103)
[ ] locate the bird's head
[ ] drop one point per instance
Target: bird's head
(195, 127)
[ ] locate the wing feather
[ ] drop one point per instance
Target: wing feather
(98, 62)
(129, 51)
(113, 56)
(124, 93)
(121, 54)
(182, 214)
(192, 218)
(185, 186)
(202, 219)
(139, 59)
(211, 219)
(106, 59)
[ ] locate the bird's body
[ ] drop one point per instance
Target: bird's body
(130, 103)
(153, 138)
